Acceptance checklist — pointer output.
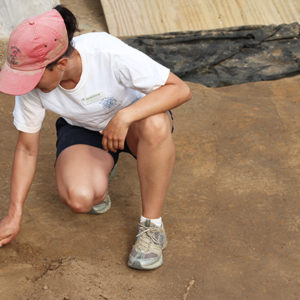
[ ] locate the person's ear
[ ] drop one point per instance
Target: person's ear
(62, 63)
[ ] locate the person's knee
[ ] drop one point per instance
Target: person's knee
(81, 199)
(155, 129)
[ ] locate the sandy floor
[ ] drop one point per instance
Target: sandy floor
(232, 213)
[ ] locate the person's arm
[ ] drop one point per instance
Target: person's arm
(174, 93)
(23, 170)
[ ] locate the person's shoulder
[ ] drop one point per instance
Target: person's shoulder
(98, 40)
(90, 36)
(32, 95)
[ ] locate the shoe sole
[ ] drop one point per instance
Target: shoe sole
(137, 265)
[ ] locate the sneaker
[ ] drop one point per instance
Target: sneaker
(102, 207)
(146, 253)
(105, 205)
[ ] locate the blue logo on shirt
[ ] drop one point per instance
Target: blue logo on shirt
(108, 102)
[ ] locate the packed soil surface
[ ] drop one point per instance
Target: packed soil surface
(232, 213)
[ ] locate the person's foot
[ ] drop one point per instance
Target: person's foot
(146, 253)
(102, 207)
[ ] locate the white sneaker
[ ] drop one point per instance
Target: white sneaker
(102, 207)
(146, 253)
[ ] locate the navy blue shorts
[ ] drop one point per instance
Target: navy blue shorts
(69, 135)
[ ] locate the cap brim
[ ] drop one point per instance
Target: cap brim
(15, 82)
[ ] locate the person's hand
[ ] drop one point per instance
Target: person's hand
(9, 228)
(114, 134)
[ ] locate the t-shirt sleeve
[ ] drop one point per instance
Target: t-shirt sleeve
(136, 70)
(28, 113)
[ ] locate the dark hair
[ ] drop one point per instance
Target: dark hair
(72, 27)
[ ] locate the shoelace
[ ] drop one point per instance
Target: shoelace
(146, 235)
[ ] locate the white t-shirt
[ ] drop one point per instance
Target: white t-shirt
(114, 75)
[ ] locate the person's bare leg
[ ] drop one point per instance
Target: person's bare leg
(82, 176)
(151, 141)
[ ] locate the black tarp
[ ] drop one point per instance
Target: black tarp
(227, 56)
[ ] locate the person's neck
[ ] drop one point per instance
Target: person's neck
(73, 72)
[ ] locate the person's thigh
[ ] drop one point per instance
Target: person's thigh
(82, 176)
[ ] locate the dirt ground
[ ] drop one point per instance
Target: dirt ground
(232, 213)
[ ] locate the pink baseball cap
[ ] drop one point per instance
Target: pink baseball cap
(33, 44)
